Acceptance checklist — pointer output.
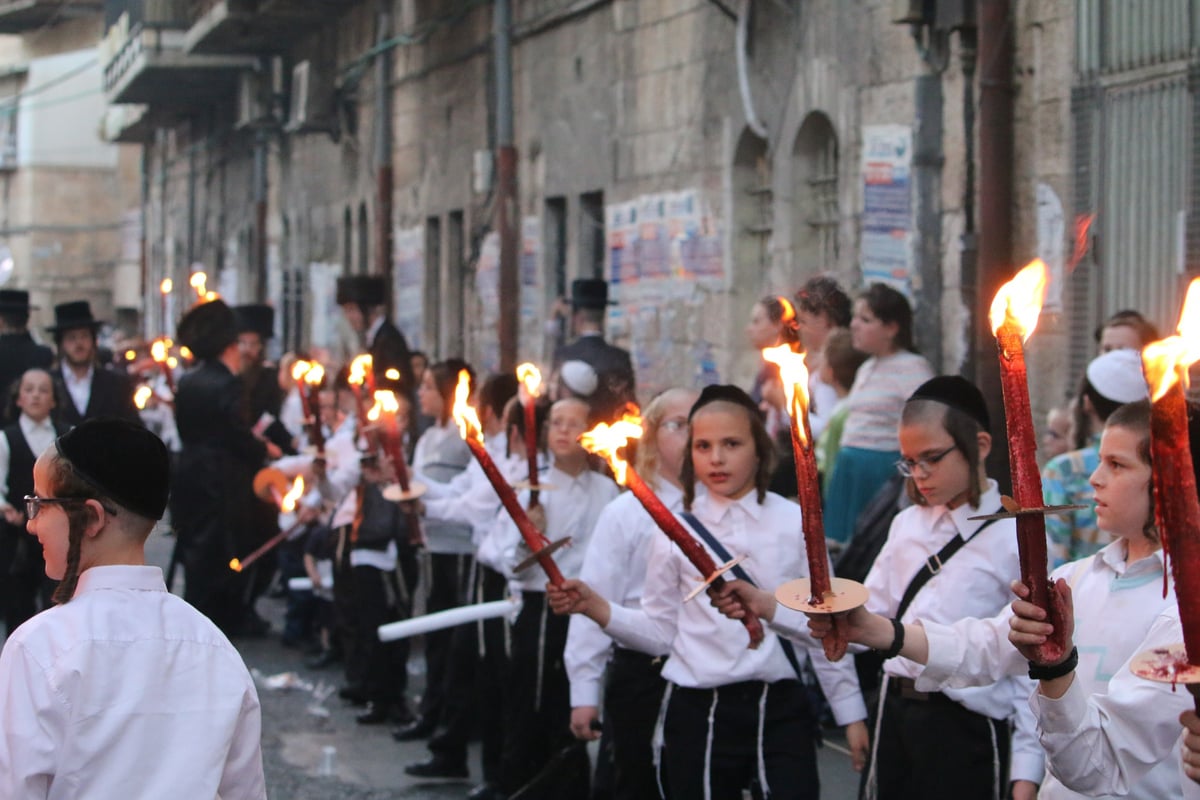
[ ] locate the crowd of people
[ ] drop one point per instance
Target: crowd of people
(948, 692)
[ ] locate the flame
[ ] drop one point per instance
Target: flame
(235, 564)
(464, 413)
(142, 396)
(794, 373)
(185, 352)
(789, 311)
(1083, 224)
(530, 378)
(130, 355)
(1165, 361)
(392, 374)
(199, 282)
(172, 362)
(607, 440)
(314, 375)
(288, 504)
(158, 350)
(300, 369)
(1021, 300)
(166, 286)
(359, 369)
(385, 403)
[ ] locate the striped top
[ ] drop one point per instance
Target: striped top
(877, 397)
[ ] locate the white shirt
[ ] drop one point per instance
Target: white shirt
(572, 507)
(1115, 604)
(126, 692)
(439, 457)
(615, 567)
(39, 436)
(1110, 744)
(80, 389)
(973, 583)
(708, 649)
(490, 532)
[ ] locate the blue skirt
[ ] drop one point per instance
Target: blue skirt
(856, 477)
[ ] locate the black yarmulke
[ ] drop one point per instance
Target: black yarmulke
(122, 461)
(727, 393)
(207, 329)
(957, 392)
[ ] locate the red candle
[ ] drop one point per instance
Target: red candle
(469, 427)
(1176, 507)
(531, 379)
(308, 376)
(160, 352)
(1013, 316)
(387, 406)
(606, 440)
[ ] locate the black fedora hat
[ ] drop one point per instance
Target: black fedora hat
(256, 318)
(14, 300)
(75, 314)
(591, 293)
(365, 290)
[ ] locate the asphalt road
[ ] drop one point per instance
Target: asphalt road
(368, 764)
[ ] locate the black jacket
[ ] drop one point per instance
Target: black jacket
(112, 396)
(389, 350)
(264, 396)
(614, 369)
(19, 352)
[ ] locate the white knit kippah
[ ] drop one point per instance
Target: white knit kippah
(579, 377)
(1117, 375)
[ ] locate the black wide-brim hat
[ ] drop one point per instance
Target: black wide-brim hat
(75, 314)
(207, 329)
(590, 293)
(364, 290)
(14, 301)
(256, 318)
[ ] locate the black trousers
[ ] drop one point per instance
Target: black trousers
(541, 756)
(632, 698)
(936, 749)
(711, 737)
(494, 637)
(448, 574)
(460, 692)
(376, 603)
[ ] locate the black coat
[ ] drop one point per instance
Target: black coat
(389, 350)
(614, 369)
(19, 352)
(264, 396)
(112, 396)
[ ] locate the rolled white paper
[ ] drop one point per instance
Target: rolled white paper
(299, 584)
(447, 619)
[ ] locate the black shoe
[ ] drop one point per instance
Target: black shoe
(485, 791)
(438, 767)
(402, 715)
(376, 714)
(422, 728)
(353, 695)
(322, 660)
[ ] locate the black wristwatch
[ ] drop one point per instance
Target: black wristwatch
(1039, 672)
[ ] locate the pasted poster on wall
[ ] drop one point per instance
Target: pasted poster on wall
(487, 296)
(887, 235)
(666, 256)
(408, 289)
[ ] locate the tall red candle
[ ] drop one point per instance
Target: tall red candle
(606, 440)
(1176, 507)
(469, 427)
(531, 379)
(1013, 316)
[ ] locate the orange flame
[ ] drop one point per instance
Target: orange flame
(607, 440)
(392, 374)
(789, 311)
(1020, 300)
(314, 375)
(1083, 224)
(359, 368)
(794, 373)
(235, 564)
(385, 403)
(130, 355)
(142, 396)
(185, 352)
(1166, 361)
(301, 369)
(288, 504)
(464, 414)
(210, 296)
(199, 282)
(172, 362)
(531, 378)
(166, 286)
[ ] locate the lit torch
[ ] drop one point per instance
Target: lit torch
(361, 378)
(199, 282)
(308, 376)
(823, 595)
(287, 505)
(1176, 508)
(1014, 315)
(386, 408)
(164, 291)
(160, 351)
(531, 379)
(607, 441)
(472, 434)
(142, 396)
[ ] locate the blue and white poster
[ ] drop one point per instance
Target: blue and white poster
(887, 235)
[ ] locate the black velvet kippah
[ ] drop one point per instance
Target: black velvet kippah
(122, 461)
(726, 392)
(957, 392)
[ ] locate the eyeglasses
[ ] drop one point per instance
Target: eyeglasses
(33, 504)
(909, 467)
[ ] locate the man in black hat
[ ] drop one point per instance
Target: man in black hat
(614, 368)
(86, 389)
(121, 667)
(18, 350)
(264, 396)
(363, 299)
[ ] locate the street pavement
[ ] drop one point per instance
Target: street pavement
(367, 763)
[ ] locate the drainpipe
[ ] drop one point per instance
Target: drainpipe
(383, 151)
(260, 215)
(506, 188)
